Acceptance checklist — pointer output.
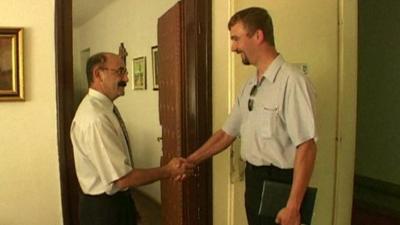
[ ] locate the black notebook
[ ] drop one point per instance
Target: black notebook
(275, 195)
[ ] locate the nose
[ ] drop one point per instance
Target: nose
(126, 77)
(233, 47)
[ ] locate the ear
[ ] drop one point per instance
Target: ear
(97, 74)
(259, 36)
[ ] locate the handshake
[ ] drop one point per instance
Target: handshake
(179, 168)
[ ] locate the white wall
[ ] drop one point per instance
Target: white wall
(29, 168)
(134, 24)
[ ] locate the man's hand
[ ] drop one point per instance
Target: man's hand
(179, 167)
(190, 165)
(288, 216)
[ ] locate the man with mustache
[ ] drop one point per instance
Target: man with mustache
(274, 116)
(102, 151)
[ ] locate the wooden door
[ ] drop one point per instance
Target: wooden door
(184, 42)
(170, 105)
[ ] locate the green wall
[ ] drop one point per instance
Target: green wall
(378, 122)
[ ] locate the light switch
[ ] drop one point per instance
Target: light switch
(303, 67)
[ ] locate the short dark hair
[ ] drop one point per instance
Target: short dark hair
(255, 18)
(94, 60)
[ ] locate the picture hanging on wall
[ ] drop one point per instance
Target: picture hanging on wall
(11, 64)
(139, 73)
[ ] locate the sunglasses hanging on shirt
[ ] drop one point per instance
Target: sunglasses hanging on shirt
(253, 92)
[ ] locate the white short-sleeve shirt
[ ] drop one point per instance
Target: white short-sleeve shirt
(283, 116)
(100, 149)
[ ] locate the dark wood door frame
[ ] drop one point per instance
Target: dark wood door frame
(64, 93)
(198, 119)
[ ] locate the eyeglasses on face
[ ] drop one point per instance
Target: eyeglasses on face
(120, 71)
(253, 92)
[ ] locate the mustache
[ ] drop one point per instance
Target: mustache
(121, 84)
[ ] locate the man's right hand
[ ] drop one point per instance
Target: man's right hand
(179, 167)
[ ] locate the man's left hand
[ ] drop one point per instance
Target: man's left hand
(288, 216)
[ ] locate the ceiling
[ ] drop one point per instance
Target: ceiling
(83, 10)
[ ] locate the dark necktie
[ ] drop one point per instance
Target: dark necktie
(125, 131)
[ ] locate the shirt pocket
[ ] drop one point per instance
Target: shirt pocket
(267, 121)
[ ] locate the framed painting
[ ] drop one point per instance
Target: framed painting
(11, 64)
(139, 73)
(154, 56)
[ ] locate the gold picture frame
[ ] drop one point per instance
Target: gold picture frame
(11, 64)
(139, 73)
(154, 57)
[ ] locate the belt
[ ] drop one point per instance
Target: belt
(270, 172)
(104, 195)
(269, 167)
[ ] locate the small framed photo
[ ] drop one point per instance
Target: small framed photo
(154, 56)
(11, 64)
(139, 73)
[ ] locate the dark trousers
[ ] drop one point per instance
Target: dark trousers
(117, 209)
(255, 176)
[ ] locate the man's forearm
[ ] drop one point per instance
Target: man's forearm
(215, 144)
(138, 177)
(303, 168)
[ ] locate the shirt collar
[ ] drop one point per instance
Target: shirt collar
(102, 98)
(273, 69)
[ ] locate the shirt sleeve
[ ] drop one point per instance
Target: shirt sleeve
(233, 122)
(106, 151)
(299, 109)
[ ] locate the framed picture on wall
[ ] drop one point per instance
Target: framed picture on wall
(11, 64)
(154, 56)
(139, 73)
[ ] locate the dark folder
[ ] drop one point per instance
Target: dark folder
(275, 195)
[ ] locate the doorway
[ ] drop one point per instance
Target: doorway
(198, 117)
